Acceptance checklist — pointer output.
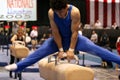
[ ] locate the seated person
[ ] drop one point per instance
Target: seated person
(94, 37)
(104, 39)
(98, 25)
(115, 26)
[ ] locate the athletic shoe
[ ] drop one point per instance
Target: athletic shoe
(11, 67)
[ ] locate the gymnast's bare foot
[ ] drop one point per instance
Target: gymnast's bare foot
(11, 67)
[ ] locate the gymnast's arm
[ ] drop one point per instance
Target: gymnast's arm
(55, 31)
(75, 16)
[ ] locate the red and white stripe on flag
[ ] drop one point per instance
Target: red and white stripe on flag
(107, 11)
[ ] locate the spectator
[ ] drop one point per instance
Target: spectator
(43, 38)
(94, 37)
(87, 26)
(104, 39)
(1, 39)
(15, 26)
(115, 26)
(98, 25)
(34, 35)
(107, 64)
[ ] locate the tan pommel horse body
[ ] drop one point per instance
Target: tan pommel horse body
(19, 50)
(64, 71)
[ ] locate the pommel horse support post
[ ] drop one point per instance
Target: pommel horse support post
(64, 71)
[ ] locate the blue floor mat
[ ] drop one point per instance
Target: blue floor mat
(2, 64)
(31, 70)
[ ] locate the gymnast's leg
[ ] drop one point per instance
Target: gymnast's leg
(46, 49)
(84, 44)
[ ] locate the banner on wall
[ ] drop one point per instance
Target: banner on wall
(14, 10)
(107, 11)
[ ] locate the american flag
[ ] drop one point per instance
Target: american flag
(107, 11)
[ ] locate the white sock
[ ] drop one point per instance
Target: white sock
(11, 67)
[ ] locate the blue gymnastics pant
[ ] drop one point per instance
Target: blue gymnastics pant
(83, 44)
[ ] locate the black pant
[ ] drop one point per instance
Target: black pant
(12, 59)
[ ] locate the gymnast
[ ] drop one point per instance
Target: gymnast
(64, 20)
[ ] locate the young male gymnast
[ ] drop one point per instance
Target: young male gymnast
(64, 20)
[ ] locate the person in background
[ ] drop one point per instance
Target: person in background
(64, 20)
(104, 39)
(15, 26)
(44, 37)
(27, 39)
(105, 43)
(114, 26)
(94, 37)
(118, 50)
(34, 35)
(1, 39)
(98, 25)
(19, 36)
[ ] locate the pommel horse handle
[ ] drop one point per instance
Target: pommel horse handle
(58, 60)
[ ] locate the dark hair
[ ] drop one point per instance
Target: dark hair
(58, 4)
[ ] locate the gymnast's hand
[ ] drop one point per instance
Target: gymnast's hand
(60, 54)
(70, 55)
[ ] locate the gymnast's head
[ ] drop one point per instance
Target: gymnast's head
(60, 7)
(58, 4)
